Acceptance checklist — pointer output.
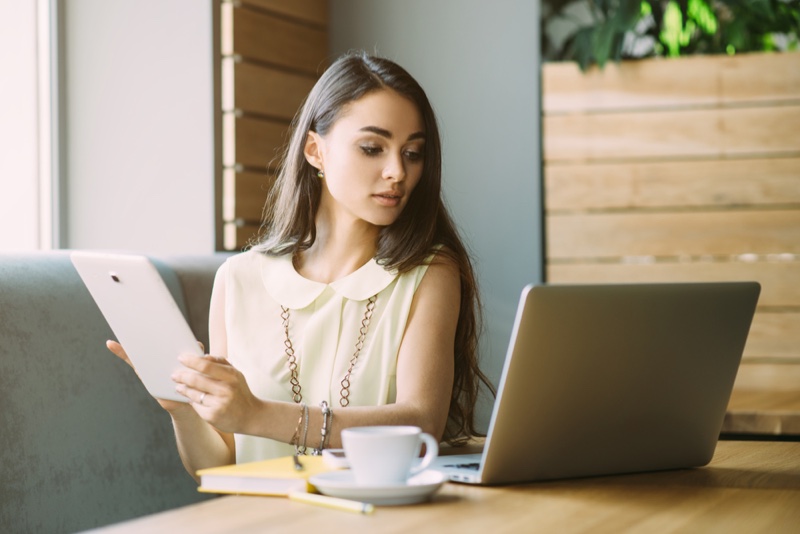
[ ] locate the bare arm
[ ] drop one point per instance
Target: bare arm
(424, 377)
(201, 445)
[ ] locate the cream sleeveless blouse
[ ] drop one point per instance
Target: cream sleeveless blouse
(324, 326)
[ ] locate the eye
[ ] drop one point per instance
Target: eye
(414, 155)
(370, 150)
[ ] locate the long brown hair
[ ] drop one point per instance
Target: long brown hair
(422, 227)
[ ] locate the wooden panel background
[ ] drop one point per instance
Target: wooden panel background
(672, 133)
(666, 83)
(266, 37)
(273, 51)
(308, 11)
(677, 184)
(681, 170)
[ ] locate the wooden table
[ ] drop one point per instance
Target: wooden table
(765, 401)
(750, 486)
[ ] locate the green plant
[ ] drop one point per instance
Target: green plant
(598, 31)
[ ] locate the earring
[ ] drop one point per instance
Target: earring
(320, 174)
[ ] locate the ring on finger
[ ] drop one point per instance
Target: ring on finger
(202, 397)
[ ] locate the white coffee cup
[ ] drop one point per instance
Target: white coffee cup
(385, 455)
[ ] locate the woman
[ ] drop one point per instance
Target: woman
(357, 306)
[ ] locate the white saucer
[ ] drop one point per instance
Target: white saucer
(341, 484)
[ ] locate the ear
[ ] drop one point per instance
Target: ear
(313, 149)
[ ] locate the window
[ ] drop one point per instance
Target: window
(26, 207)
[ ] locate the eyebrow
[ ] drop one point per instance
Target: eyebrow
(388, 135)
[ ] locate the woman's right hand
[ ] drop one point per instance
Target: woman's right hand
(169, 405)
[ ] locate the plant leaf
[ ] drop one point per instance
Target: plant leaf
(602, 39)
(582, 44)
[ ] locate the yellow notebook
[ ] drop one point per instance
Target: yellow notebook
(277, 476)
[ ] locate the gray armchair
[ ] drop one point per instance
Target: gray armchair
(82, 444)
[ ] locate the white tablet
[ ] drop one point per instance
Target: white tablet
(142, 314)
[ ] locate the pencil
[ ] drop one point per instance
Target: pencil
(332, 502)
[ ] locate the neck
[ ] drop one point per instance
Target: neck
(339, 249)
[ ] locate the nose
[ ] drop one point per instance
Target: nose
(395, 169)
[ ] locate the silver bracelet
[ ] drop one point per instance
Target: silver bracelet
(327, 415)
(329, 429)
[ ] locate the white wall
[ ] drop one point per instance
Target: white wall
(19, 208)
(479, 63)
(138, 134)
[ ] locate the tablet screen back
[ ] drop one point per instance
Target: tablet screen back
(141, 312)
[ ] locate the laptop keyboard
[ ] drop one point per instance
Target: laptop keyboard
(473, 465)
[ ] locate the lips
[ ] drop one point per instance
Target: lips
(388, 198)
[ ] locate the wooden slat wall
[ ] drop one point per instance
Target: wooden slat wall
(273, 51)
(681, 170)
(674, 133)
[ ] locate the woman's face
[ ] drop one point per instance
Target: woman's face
(372, 158)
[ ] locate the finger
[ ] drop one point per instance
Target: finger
(202, 347)
(118, 351)
(191, 380)
(192, 361)
(194, 396)
(212, 366)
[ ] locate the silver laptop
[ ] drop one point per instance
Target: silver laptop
(611, 379)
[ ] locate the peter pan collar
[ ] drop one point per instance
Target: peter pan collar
(288, 288)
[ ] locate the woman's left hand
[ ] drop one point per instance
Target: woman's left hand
(217, 391)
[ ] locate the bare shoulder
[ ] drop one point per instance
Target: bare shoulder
(443, 263)
(442, 278)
